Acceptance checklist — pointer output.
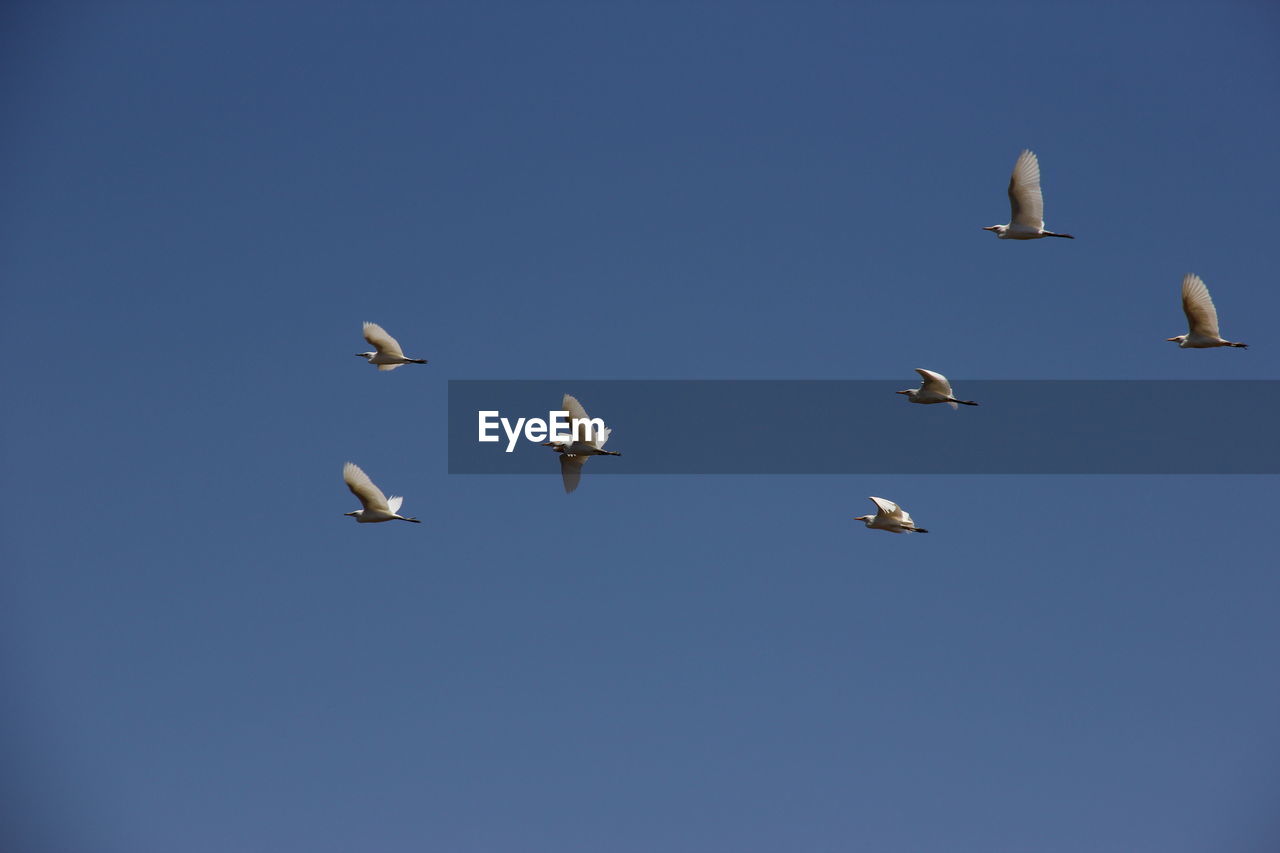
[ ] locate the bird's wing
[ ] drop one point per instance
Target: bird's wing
(905, 518)
(571, 405)
(571, 471)
(1025, 201)
(388, 366)
(935, 382)
(393, 503)
(1196, 304)
(371, 497)
(381, 341)
(885, 507)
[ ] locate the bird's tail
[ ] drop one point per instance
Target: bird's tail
(966, 402)
(414, 520)
(609, 453)
(918, 530)
(1242, 346)
(1052, 234)
(417, 361)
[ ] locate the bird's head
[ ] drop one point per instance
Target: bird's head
(1178, 340)
(910, 392)
(355, 514)
(865, 519)
(559, 448)
(999, 229)
(365, 355)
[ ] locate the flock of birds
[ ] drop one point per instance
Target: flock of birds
(1026, 222)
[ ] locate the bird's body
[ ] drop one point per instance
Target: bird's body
(891, 517)
(574, 453)
(934, 389)
(377, 506)
(583, 448)
(1202, 318)
(387, 354)
(1026, 203)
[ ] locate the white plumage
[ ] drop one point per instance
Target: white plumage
(891, 517)
(573, 454)
(387, 354)
(377, 506)
(1026, 203)
(934, 388)
(1202, 317)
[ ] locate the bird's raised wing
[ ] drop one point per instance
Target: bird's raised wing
(935, 382)
(571, 471)
(583, 433)
(886, 507)
(393, 503)
(1202, 317)
(381, 341)
(571, 405)
(371, 497)
(905, 518)
(1025, 201)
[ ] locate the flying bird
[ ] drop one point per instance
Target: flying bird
(934, 389)
(1026, 217)
(891, 517)
(574, 453)
(1202, 317)
(386, 350)
(377, 506)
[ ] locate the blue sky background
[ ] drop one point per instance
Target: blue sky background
(201, 203)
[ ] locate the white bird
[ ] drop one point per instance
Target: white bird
(934, 389)
(387, 353)
(1202, 317)
(891, 517)
(377, 506)
(1026, 217)
(574, 453)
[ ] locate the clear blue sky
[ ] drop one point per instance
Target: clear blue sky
(200, 204)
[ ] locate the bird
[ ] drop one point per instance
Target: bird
(934, 389)
(386, 350)
(1026, 218)
(1202, 317)
(891, 517)
(574, 453)
(377, 506)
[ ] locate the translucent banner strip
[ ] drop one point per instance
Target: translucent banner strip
(863, 427)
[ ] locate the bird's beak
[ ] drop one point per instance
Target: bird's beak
(991, 228)
(348, 513)
(359, 355)
(1170, 339)
(899, 392)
